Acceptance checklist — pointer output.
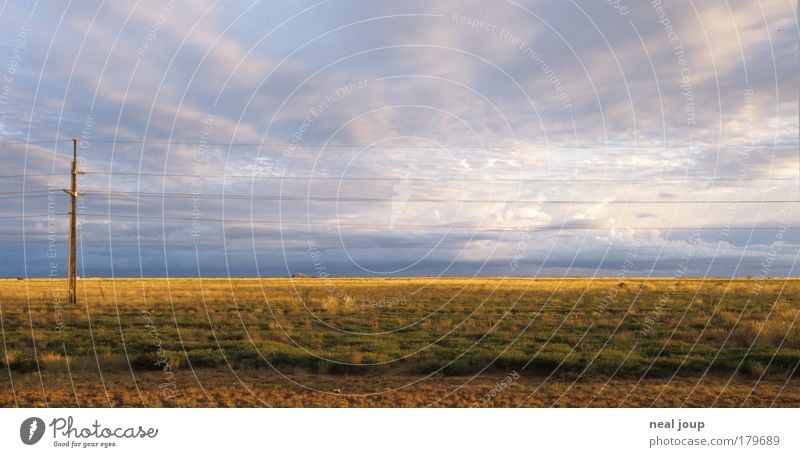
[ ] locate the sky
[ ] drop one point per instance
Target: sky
(363, 138)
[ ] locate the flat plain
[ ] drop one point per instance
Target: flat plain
(401, 342)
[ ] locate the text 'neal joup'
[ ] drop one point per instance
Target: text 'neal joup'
(678, 425)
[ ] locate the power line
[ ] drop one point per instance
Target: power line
(415, 226)
(25, 216)
(26, 191)
(526, 146)
(28, 175)
(418, 200)
(441, 179)
(443, 146)
(22, 197)
(6, 143)
(28, 194)
(48, 193)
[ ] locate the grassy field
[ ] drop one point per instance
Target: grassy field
(403, 342)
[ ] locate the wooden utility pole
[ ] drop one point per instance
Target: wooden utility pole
(72, 258)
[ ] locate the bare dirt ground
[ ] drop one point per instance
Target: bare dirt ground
(255, 388)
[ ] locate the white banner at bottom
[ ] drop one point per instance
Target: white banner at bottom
(399, 432)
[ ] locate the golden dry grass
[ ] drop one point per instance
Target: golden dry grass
(401, 342)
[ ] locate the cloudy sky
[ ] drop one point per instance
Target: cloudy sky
(413, 138)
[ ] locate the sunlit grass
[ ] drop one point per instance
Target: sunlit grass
(650, 329)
